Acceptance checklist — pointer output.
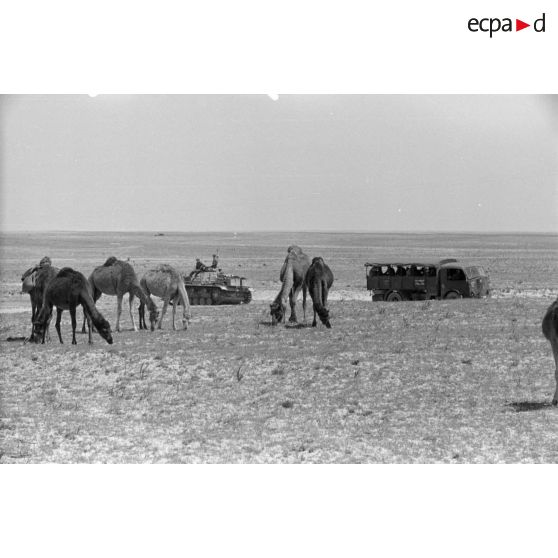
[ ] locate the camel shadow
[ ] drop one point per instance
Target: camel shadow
(296, 326)
(16, 338)
(523, 406)
(286, 326)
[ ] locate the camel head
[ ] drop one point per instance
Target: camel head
(39, 330)
(153, 317)
(103, 327)
(277, 313)
(324, 316)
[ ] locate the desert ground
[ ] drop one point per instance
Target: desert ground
(464, 381)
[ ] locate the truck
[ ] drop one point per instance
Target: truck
(447, 279)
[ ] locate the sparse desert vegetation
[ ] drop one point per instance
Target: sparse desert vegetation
(464, 381)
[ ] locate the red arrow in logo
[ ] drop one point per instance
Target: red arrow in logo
(519, 25)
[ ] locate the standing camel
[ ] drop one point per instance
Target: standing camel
(116, 278)
(67, 291)
(319, 280)
(31, 284)
(292, 276)
(550, 331)
(165, 282)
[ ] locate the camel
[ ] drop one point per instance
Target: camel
(292, 276)
(29, 285)
(40, 278)
(116, 278)
(319, 280)
(550, 331)
(67, 291)
(165, 282)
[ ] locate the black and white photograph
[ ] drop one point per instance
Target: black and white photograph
(279, 279)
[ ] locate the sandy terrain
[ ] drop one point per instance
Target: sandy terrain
(462, 381)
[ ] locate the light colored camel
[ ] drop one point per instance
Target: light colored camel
(67, 290)
(319, 280)
(550, 331)
(293, 278)
(165, 282)
(116, 278)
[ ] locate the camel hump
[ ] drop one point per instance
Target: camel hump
(66, 272)
(110, 261)
(165, 268)
(75, 276)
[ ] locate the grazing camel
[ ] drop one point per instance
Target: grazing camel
(41, 277)
(550, 331)
(67, 291)
(29, 285)
(165, 282)
(116, 278)
(292, 276)
(319, 280)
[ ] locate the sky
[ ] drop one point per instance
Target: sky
(404, 163)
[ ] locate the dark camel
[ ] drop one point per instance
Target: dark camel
(292, 276)
(67, 291)
(319, 280)
(550, 331)
(33, 282)
(41, 278)
(116, 277)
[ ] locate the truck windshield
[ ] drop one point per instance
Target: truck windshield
(474, 271)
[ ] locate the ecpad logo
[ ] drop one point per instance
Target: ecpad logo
(493, 25)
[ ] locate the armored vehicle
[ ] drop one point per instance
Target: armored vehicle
(212, 287)
(447, 279)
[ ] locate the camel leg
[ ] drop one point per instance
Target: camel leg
(174, 305)
(33, 314)
(46, 334)
(292, 299)
(324, 303)
(118, 311)
(58, 318)
(314, 322)
(131, 300)
(141, 315)
(163, 311)
(304, 291)
(185, 313)
(85, 320)
(74, 324)
(554, 344)
(87, 317)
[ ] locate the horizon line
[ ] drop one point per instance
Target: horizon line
(276, 231)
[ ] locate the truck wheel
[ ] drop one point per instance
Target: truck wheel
(394, 296)
(452, 295)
